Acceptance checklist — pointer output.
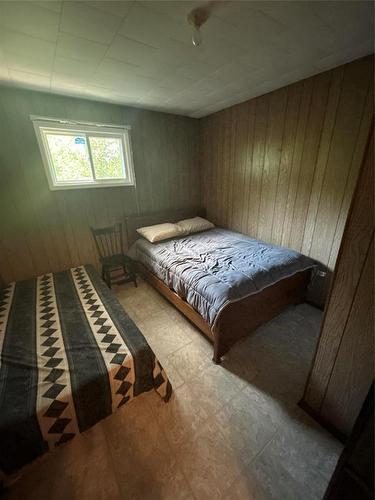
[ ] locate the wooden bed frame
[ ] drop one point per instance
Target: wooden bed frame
(237, 319)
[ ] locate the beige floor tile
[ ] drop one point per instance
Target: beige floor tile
(189, 359)
(306, 451)
(208, 463)
(247, 424)
(215, 386)
(265, 479)
(143, 462)
(231, 431)
(174, 377)
(81, 469)
(181, 417)
(164, 337)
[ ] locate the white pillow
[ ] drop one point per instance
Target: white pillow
(195, 225)
(160, 232)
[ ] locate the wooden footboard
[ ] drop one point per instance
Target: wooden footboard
(239, 318)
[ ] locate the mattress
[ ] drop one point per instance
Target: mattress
(70, 356)
(214, 268)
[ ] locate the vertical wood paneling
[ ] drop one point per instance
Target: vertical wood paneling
(262, 107)
(43, 230)
(354, 248)
(323, 155)
(271, 164)
(303, 116)
(357, 78)
(303, 147)
(358, 152)
(342, 370)
(290, 130)
(353, 371)
(247, 166)
(312, 139)
(240, 156)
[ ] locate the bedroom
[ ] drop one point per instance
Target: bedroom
(186, 241)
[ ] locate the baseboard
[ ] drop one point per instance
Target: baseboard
(322, 421)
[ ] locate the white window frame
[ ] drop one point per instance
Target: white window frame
(44, 125)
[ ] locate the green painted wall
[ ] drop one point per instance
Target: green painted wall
(43, 230)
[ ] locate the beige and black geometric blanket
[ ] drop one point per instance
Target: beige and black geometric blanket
(69, 357)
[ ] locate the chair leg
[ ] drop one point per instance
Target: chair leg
(129, 273)
(108, 278)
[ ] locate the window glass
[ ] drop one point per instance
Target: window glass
(70, 157)
(107, 157)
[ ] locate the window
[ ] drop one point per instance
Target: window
(79, 155)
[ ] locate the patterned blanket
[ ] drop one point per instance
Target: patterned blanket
(69, 357)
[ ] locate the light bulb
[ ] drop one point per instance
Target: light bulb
(196, 37)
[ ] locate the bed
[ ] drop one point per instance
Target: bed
(70, 356)
(226, 283)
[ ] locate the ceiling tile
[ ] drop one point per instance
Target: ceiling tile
(29, 79)
(178, 9)
(144, 25)
(205, 86)
(121, 78)
(115, 7)
(157, 70)
(176, 53)
(230, 71)
(77, 48)
(177, 82)
(243, 25)
(74, 67)
(196, 70)
(116, 69)
(67, 80)
(81, 20)
(218, 52)
(131, 51)
(95, 92)
(30, 63)
(4, 72)
(55, 5)
(29, 18)
(25, 45)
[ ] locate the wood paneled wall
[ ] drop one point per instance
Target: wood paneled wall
(343, 368)
(43, 230)
(282, 167)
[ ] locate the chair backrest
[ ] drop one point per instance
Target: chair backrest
(108, 240)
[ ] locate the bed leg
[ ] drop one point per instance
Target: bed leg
(217, 357)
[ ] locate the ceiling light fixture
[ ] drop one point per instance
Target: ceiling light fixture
(197, 18)
(196, 37)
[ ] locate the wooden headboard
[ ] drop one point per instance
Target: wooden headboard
(132, 223)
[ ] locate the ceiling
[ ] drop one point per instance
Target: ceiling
(140, 53)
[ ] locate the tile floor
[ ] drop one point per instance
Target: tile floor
(229, 432)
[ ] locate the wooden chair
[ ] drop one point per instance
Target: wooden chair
(109, 243)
